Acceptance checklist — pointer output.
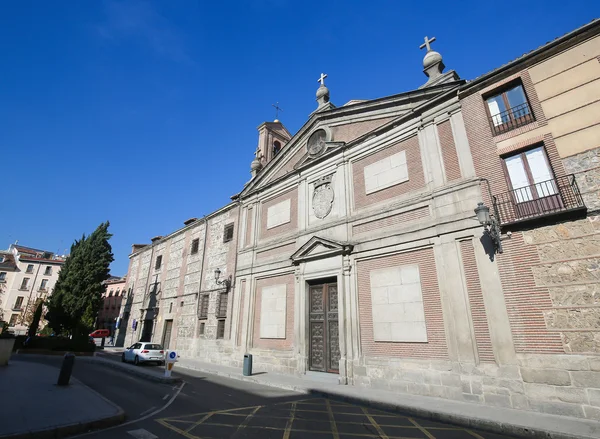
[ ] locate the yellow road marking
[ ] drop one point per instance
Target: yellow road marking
(246, 421)
(429, 435)
(472, 433)
(177, 430)
(334, 429)
(204, 418)
(288, 426)
(375, 424)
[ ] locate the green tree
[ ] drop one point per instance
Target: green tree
(35, 320)
(77, 296)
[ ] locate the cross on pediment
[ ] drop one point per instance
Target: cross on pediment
(277, 109)
(427, 43)
(322, 79)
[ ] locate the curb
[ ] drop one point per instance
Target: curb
(466, 420)
(76, 428)
(132, 370)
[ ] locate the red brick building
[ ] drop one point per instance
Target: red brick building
(111, 303)
(355, 249)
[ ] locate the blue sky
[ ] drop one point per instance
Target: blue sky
(145, 113)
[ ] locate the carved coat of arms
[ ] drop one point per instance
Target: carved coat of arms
(323, 196)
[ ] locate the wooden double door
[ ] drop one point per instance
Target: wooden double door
(324, 350)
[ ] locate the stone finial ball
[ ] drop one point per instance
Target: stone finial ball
(255, 165)
(322, 91)
(432, 57)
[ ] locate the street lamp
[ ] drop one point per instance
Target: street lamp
(490, 225)
(226, 282)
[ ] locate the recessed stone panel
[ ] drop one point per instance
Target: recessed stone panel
(397, 305)
(279, 214)
(273, 311)
(387, 172)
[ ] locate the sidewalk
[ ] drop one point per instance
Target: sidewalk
(498, 420)
(34, 407)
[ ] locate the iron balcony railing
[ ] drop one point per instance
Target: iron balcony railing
(510, 119)
(538, 200)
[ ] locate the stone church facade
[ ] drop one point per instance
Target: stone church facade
(355, 251)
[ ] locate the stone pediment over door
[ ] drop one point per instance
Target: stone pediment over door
(318, 248)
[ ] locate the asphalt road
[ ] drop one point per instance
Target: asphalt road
(208, 406)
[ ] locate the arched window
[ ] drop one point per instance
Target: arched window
(276, 148)
(110, 294)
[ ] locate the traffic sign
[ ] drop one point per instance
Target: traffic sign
(172, 356)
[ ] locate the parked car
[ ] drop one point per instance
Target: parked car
(99, 333)
(144, 353)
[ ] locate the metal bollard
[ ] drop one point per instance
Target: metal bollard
(66, 369)
(103, 341)
(247, 365)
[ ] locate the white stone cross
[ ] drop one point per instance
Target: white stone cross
(427, 43)
(322, 79)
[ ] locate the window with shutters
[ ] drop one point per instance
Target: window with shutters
(29, 269)
(228, 233)
(222, 310)
(203, 305)
(158, 262)
(48, 271)
(195, 246)
(24, 284)
(221, 329)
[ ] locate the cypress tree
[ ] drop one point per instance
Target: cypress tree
(77, 297)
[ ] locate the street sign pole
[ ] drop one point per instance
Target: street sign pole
(170, 360)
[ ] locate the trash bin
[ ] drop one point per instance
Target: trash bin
(247, 365)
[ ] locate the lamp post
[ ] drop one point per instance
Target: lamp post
(226, 282)
(490, 225)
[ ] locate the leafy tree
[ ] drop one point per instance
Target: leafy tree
(77, 296)
(35, 320)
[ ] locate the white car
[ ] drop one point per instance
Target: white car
(144, 353)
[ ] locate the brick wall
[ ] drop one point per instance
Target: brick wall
(478, 312)
(289, 227)
(392, 220)
(435, 347)
(525, 301)
(353, 130)
(289, 166)
(415, 174)
(249, 224)
(282, 251)
(276, 344)
(449, 154)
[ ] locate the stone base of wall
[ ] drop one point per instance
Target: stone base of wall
(554, 384)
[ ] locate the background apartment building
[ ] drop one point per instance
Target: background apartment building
(26, 275)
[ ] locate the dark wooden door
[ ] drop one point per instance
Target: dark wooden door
(324, 354)
(147, 330)
(166, 341)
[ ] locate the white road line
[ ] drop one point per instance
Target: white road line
(166, 396)
(133, 421)
(142, 434)
(147, 411)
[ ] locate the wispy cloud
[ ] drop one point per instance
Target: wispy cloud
(140, 20)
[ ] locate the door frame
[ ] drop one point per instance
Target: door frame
(164, 334)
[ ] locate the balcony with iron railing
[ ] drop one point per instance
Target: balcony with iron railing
(553, 197)
(510, 119)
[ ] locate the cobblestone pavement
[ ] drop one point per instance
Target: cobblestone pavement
(311, 419)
